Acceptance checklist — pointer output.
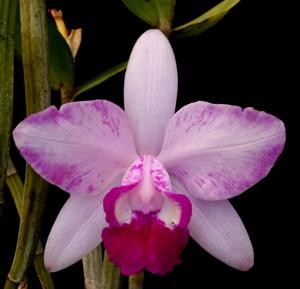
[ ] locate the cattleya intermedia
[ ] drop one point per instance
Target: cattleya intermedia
(144, 179)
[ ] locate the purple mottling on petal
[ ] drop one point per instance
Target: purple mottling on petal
(90, 188)
(257, 117)
(223, 149)
(266, 159)
(199, 181)
(250, 115)
(159, 176)
(112, 121)
(134, 173)
(102, 108)
(74, 183)
(77, 181)
(67, 114)
(40, 118)
(178, 121)
(145, 243)
(57, 173)
(30, 154)
(200, 119)
(179, 175)
(73, 142)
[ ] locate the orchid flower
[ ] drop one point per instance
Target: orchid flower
(144, 179)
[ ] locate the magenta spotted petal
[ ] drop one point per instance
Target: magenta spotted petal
(147, 225)
(218, 151)
(77, 147)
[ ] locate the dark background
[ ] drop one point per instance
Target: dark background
(245, 60)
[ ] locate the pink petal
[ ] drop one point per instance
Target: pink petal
(150, 90)
(219, 151)
(145, 243)
(75, 232)
(80, 147)
(218, 229)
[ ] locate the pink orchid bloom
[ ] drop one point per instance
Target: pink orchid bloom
(148, 178)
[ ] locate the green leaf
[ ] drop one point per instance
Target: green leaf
(206, 20)
(99, 79)
(157, 13)
(61, 64)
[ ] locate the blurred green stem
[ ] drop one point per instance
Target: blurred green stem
(15, 185)
(92, 265)
(7, 29)
(111, 276)
(33, 205)
(35, 64)
(42, 273)
(136, 281)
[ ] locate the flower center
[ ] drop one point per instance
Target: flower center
(147, 221)
(150, 183)
(145, 197)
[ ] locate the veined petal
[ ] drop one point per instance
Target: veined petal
(76, 231)
(150, 90)
(77, 147)
(219, 151)
(218, 229)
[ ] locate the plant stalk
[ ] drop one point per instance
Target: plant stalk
(35, 64)
(92, 265)
(7, 29)
(111, 276)
(136, 281)
(15, 185)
